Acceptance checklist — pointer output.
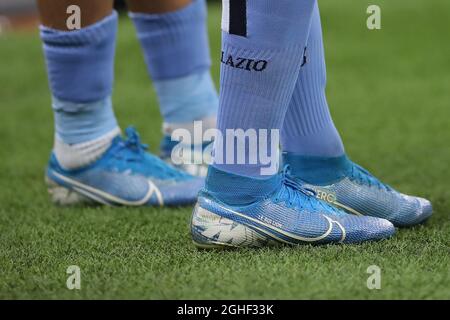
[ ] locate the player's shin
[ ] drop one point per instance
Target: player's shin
(174, 40)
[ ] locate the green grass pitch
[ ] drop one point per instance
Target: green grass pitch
(389, 94)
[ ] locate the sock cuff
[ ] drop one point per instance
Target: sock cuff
(188, 14)
(175, 44)
(93, 34)
(79, 107)
(318, 170)
(80, 63)
(237, 189)
(173, 25)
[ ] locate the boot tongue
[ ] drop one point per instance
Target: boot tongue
(235, 189)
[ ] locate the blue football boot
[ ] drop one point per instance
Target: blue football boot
(348, 186)
(125, 175)
(238, 211)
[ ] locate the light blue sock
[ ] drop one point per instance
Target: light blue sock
(188, 98)
(176, 51)
(80, 68)
(318, 170)
(308, 127)
(81, 122)
(263, 42)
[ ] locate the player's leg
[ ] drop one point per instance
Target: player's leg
(53, 14)
(156, 6)
(308, 128)
(242, 204)
(173, 35)
(90, 161)
(80, 70)
(314, 150)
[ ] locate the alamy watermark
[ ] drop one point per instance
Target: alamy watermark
(73, 22)
(73, 282)
(374, 20)
(374, 280)
(234, 146)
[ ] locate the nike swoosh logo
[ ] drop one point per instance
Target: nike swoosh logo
(101, 196)
(283, 232)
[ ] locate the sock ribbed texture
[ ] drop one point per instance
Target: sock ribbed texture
(258, 72)
(80, 63)
(73, 156)
(176, 50)
(175, 44)
(308, 128)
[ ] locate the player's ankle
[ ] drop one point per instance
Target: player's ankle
(234, 189)
(317, 170)
(78, 155)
